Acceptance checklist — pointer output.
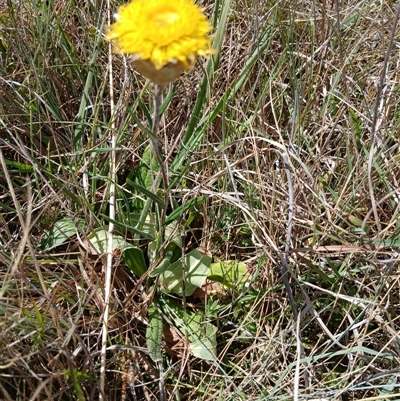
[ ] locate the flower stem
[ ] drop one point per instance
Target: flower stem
(158, 99)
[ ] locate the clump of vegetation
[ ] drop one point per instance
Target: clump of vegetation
(267, 268)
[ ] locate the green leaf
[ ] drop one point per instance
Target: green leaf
(162, 266)
(180, 210)
(355, 221)
(173, 248)
(20, 167)
(132, 255)
(173, 236)
(145, 233)
(390, 242)
(154, 334)
(148, 168)
(134, 259)
(99, 239)
(146, 192)
(200, 333)
(231, 274)
(147, 227)
(60, 233)
(203, 343)
(389, 388)
(196, 267)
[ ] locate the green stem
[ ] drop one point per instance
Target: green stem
(158, 99)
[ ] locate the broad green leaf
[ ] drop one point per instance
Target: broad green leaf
(173, 236)
(154, 334)
(200, 333)
(196, 267)
(231, 274)
(134, 259)
(132, 256)
(162, 266)
(203, 343)
(99, 238)
(62, 230)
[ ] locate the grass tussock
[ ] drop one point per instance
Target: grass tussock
(283, 158)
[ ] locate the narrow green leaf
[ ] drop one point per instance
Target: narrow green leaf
(178, 212)
(83, 109)
(154, 334)
(146, 192)
(20, 167)
(148, 226)
(124, 227)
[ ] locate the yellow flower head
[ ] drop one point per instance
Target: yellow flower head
(165, 36)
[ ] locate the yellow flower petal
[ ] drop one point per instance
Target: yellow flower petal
(169, 34)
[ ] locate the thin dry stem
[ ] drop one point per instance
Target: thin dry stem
(378, 116)
(110, 233)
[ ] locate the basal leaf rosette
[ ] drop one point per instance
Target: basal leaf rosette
(165, 37)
